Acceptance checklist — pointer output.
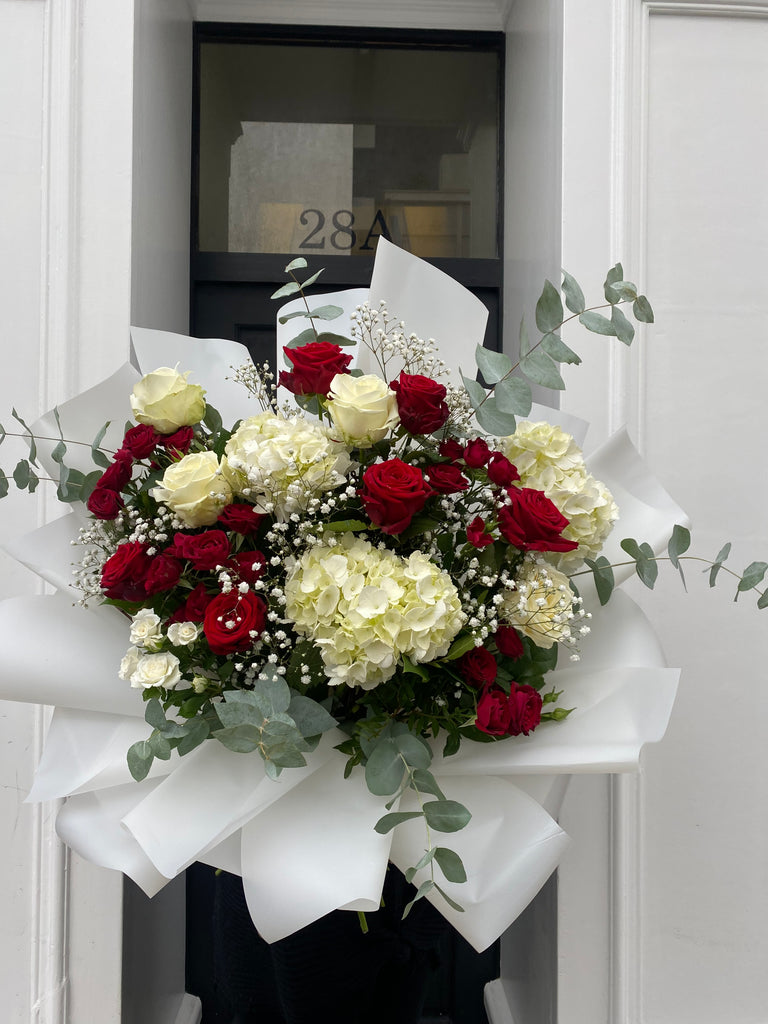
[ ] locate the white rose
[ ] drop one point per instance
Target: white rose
(181, 634)
(363, 408)
(194, 489)
(165, 401)
(145, 628)
(156, 670)
(129, 663)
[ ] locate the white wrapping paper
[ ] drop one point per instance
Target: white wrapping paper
(305, 844)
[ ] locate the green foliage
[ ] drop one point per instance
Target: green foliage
(646, 565)
(602, 573)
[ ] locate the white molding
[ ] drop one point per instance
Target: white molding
(487, 15)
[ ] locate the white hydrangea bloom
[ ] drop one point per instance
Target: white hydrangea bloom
(542, 605)
(549, 460)
(283, 460)
(365, 608)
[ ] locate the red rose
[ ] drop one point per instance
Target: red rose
(179, 442)
(476, 453)
(478, 667)
(193, 609)
(446, 478)
(509, 642)
(116, 476)
(493, 711)
(531, 522)
(139, 442)
(231, 618)
(393, 492)
(164, 573)
(525, 705)
(247, 565)
(104, 503)
(123, 574)
(420, 403)
(240, 518)
(204, 550)
(314, 367)
(501, 471)
(450, 449)
(476, 534)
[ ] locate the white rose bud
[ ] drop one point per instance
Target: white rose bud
(145, 629)
(363, 408)
(200, 684)
(156, 670)
(194, 489)
(182, 634)
(165, 401)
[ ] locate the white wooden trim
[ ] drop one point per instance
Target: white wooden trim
(455, 14)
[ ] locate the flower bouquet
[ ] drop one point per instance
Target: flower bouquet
(324, 615)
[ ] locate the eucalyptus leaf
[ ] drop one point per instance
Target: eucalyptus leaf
(625, 332)
(641, 307)
(614, 275)
(384, 769)
(524, 339)
(555, 347)
(679, 542)
(597, 323)
(140, 758)
(232, 712)
(492, 365)
(310, 717)
(602, 573)
(96, 443)
(390, 821)
(195, 732)
(58, 453)
(549, 309)
(513, 395)
(305, 338)
(475, 390)
(762, 601)
(21, 474)
(326, 312)
(292, 316)
(428, 857)
(541, 369)
(284, 755)
(311, 280)
(646, 566)
(450, 864)
(287, 289)
(446, 815)
(413, 749)
(240, 738)
(451, 903)
(574, 296)
(722, 554)
(425, 782)
(492, 419)
(34, 480)
(3, 485)
(752, 575)
(298, 264)
(154, 714)
(336, 339)
(273, 692)
(626, 290)
(161, 748)
(422, 891)
(30, 439)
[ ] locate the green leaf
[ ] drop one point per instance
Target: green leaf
(161, 748)
(305, 338)
(555, 347)
(450, 864)
(492, 365)
(287, 289)
(525, 341)
(422, 891)
(345, 526)
(240, 738)
(646, 566)
(460, 646)
(641, 307)
(310, 717)
(96, 446)
(449, 901)
(414, 669)
(513, 395)
(34, 480)
(602, 573)
(384, 770)
(597, 323)
(574, 296)
(212, 419)
(326, 312)
(762, 601)
(626, 290)
(492, 419)
(30, 439)
(59, 452)
(446, 815)
(722, 554)
(154, 715)
(298, 264)
(414, 749)
(428, 857)
(679, 543)
(751, 576)
(336, 339)
(311, 280)
(549, 309)
(21, 474)
(475, 390)
(625, 332)
(284, 755)
(140, 758)
(390, 821)
(195, 732)
(292, 316)
(425, 782)
(539, 368)
(3, 485)
(614, 275)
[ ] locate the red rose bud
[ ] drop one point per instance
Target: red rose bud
(140, 441)
(248, 566)
(420, 403)
(476, 453)
(476, 534)
(123, 574)
(179, 442)
(193, 609)
(314, 367)
(450, 449)
(116, 476)
(478, 667)
(393, 492)
(493, 711)
(446, 478)
(164, 573)
(501, 471)
(231, 618)
(240, 518)
(203, 550)
(525, 705)
(509, 642)
(104, 503)
(533, 523)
